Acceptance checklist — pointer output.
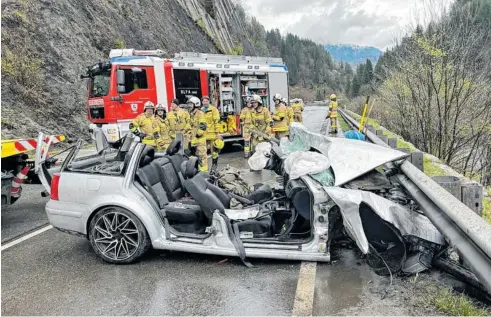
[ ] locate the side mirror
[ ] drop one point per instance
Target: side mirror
(120, 80)
(120, 77)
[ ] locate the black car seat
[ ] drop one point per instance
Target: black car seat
(207, 195)
(211, 198)
(160, 183)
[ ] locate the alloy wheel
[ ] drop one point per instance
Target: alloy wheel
(116, 236)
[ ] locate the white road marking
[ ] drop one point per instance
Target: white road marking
(304, 296)
(27, 236)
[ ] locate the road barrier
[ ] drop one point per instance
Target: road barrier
(465, 230)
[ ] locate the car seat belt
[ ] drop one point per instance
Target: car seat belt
(234, 234)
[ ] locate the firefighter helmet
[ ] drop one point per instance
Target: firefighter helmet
(218, 144)
(284, 100)
(195, 101)
(161, 107)
(149, 105)
(257, 98)
(277, 97)
(333, 96)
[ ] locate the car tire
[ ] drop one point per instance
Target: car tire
(119, 241)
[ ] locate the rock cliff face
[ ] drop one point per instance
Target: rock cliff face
(47, 44)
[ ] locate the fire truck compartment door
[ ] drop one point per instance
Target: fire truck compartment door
(278, 84)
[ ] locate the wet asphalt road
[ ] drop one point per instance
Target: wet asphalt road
(58, 274)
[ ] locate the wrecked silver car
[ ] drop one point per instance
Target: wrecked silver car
(127, 199)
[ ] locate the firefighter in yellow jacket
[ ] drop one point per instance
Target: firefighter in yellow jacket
(280, 118)
(144, 126)
(164, 138)
(214, 141)
(198, 128)
(179, 123)
(261, 120)
(297, 107)
(289, 111)
(246, 122)
(333, 113)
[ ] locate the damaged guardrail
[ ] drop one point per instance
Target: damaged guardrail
(463, 228)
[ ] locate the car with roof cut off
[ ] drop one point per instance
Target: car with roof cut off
(127, 198)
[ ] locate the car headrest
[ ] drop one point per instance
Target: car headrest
(191, 168)
(174, 147)
(147, 156)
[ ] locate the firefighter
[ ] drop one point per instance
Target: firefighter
(280, 118)
(179, 122)
(261, 120)
(297, 107)
(198, 130)
(144, 126)
(214, 141)
(333, 113)
(246, 122)
(164, 138)
(289, 111)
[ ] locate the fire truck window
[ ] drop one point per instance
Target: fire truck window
(187, 84)
(135, 80)
(99, 85)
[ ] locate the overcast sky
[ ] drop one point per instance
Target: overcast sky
(362, 22)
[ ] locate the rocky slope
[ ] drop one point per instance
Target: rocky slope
(47, 44)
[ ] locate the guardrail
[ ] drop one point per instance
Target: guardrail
(468, 233)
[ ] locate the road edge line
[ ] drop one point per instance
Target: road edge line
(26, 237)
(304, 295)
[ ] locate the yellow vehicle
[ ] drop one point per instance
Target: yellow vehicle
(17, 167)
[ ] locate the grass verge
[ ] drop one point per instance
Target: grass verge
(456, 304)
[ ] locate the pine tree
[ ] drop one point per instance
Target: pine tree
(355, 86)
(368, 73)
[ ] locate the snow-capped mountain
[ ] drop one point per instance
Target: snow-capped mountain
(353, 54)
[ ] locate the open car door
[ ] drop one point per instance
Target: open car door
(41, 159)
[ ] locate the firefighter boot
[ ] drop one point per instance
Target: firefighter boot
(247, 149)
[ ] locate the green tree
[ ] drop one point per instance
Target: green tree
(318, 95)
(368, 72)
(355, 86)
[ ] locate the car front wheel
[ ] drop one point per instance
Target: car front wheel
(118, 236)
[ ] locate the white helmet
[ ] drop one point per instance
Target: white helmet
(149, 105)
(277, 97)
(257, 98)
(284, 100)
(195, 101)
(160, 106)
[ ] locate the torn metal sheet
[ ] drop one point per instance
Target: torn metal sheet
(409, 223)
(349, 159)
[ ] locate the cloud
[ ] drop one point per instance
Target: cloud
(363, 22)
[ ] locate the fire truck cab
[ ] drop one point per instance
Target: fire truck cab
(117, 89)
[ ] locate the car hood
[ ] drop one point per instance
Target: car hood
(348, 158)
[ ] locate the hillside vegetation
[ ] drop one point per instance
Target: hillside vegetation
(434, 88)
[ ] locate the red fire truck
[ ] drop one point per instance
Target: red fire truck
(117, 89)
